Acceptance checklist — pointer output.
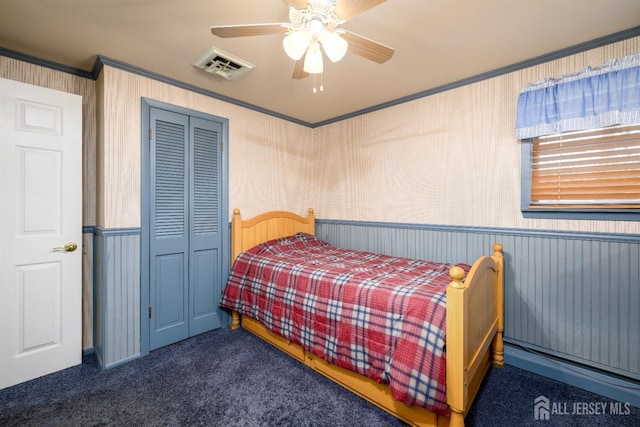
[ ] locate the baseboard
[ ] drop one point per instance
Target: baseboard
(591, 380)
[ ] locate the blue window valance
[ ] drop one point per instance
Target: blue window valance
(590, 99)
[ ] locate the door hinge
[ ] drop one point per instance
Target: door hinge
(150, 134)
(222, 146)
(149, 312)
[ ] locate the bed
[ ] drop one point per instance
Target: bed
(463, 340)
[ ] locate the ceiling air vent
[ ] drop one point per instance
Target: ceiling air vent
(223, 64)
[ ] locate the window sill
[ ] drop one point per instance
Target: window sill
(583, 214)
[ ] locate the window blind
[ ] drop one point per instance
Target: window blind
(596, 168)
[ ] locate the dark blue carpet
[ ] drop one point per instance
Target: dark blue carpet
(231, 378)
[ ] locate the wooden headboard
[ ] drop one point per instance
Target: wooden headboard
(245, 234)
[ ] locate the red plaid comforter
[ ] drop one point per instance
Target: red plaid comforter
(378, 315)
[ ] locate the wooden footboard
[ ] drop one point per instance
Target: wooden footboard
(475, 323)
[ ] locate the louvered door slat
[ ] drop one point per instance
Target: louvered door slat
(170, 179)
(205, 185)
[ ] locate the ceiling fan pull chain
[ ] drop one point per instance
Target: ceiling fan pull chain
(315, 88)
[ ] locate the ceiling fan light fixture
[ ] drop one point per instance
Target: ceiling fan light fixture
(313, 27)
(295, 43)
(334, 46)
(313, 59)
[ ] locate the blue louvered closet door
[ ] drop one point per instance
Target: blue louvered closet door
(185, 277)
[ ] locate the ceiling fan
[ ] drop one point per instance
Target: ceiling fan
(314, 28)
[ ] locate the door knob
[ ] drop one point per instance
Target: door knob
(69, 247)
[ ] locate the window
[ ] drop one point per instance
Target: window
(581, 143)
(592, 174)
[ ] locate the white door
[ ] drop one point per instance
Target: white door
(40, 222)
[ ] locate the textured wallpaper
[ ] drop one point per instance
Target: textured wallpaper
(450, 159)
(267, 155)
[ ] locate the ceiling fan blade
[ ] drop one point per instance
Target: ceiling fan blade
(367, 48)
(298, 4)
(298, 69)
(347, 9)
(226, 31)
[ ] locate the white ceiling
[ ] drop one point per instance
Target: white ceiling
(436, 42)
